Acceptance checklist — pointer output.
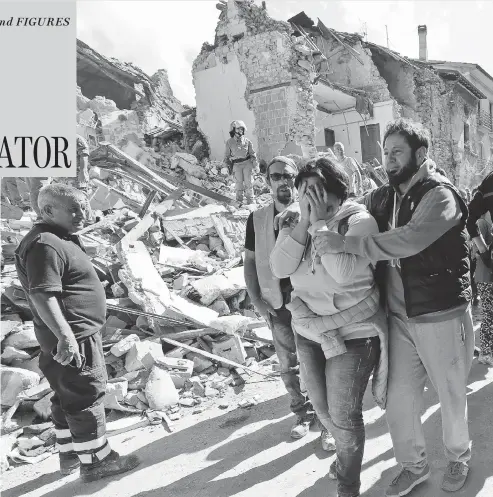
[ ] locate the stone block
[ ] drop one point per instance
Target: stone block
(211, 392)
(14, 381)
(23, 337)
(231, 349)
(117, 387)
(131, 398)
(160, 390)
(123, 346)
(104, 199)
(225, 285)
(200, 363)
(43, 407)
(197, 387)
(138, 355)
(11, 354)
(29, 365)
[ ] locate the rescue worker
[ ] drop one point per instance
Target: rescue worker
(68, 304)
(241, 160)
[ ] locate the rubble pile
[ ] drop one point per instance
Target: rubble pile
(181, 332)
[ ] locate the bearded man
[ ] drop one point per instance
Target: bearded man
(270, 295)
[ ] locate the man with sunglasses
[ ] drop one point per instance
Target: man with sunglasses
(270, 294)
(68, 304)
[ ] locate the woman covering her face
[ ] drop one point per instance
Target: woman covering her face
(341, 329)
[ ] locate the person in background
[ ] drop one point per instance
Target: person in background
(481, 203)
(422, 219)
(269, 294)
(484, 280)
(241, 160)
(68, 303)
(340, 327)
(352, 169)
(81, 180)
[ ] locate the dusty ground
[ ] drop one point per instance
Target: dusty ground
(248, 452)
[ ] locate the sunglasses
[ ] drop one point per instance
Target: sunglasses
(279, 176)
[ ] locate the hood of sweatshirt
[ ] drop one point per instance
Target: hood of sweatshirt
(348, 208)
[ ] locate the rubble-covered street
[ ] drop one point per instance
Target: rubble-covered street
(245, 451)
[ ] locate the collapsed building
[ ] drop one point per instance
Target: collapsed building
(301, 86)
(181, 331)
(117, 102)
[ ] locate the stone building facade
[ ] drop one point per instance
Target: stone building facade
(299, 87)
(257, 72)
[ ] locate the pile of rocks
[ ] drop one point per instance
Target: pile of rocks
(181, 332)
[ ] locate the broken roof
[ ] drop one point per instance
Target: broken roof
(124, 74)
(346, 39)
(437, 63)
(127, 73)
(303, 21)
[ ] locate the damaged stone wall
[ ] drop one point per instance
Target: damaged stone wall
(464, 113)
(441, 106)
(259, 53)
(193, 140)
(345, 69)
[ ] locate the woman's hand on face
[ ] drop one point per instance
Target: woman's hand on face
(318, 200)
(304, 203)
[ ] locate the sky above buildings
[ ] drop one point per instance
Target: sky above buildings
(169, 34)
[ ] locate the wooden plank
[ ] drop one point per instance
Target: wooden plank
(190, 334)
(326, 31)
(176, 237)
(128, 200)
(199, 189)
(228, 244)
(149, 219)
(147, 203)
(212, 356)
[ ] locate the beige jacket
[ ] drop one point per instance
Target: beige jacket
(335, 293)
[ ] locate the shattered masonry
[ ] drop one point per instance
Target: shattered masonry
(278, 92)
(274, 74)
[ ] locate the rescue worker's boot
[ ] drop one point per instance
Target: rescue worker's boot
(114, 464)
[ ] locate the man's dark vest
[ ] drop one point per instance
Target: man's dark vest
(438, 277)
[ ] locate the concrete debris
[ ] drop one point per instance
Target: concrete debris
(166, 244)
(118, 387)
(160, 389)
(142, 354)
(124, 345)
(23, 337)
(14, 381)
(8, 327)
(225, 285)
(231, 349)
(11, 354)
(43, 407)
